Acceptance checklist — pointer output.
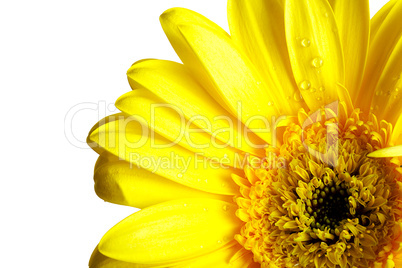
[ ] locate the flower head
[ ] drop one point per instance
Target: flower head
(278, 145)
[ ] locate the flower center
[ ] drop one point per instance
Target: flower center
(326, 204)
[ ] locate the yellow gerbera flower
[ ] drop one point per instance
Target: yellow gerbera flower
(278, 145)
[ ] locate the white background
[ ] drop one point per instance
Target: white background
(54, 56)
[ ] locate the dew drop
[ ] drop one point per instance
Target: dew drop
(297, 96)
(321, 89)
(206, 180)
(289, 97)
(205, 209)
(258, 82)
(378, 93)
(270, 103)
(180, 175)
(219, 242)
(225, 207)
(319, 98)
(326, 14)
(312, 90)
(201, 246)
(317, 62)
(305, 85)
(305, 42)
(396, 89)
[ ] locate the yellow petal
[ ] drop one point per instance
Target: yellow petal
(381, 48)
(172, 231)
(130, 139)
(353, 20)
(387, 152)
(169, 121)
(219, 259)
(212, 56)
(258, 28)
(173, 83)
(315, 50)
(170, 20)
(396, 137)
(387, 103)
(98, 260)
(125, 184)
(379, 18)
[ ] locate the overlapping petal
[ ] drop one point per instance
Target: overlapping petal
(126, 184)
(381, 48)
(315, 50)
(258, 28)
(353, 21)
(130, 139)
(169, 121)
(221, 258)
(222, 69)
(173, 83)
(379, 18)
(172, 231)
(387, 101)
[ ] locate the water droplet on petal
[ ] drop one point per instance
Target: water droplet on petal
(270, 103)
(205, 209)
(219, 242)
(225, 207)
(319, 98)
(378, 93)
(258, 82)
(180, 175)
(321, 89)
(396, 89)
(305, 42)
(297, 96)
(317, 62)
(326, 14)
(201, 246)
(312, 90)
(206, 180)
(305, 85)
(289, 97)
